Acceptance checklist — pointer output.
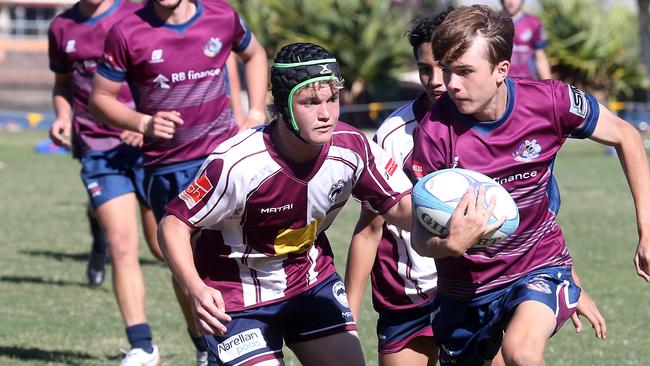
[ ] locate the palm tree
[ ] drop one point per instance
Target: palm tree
(365, 35)
(593, 47)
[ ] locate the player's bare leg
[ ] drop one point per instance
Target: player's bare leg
(420, 351)
(119, 220)
(337, 349)
(497, 361)
(150, 229)
(526, 335)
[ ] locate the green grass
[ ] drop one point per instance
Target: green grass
(48, 316)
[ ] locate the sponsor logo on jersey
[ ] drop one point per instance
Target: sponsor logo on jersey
(527, 151)
(390, 168)
(194, 75)
(156, 56)
(418, 169)
(539, 284)
(514, 177)
(195, 192)
(240, 344)
(161, 81)
(109, 59)
(70, 46)
(212, 47)
(335, 190)
(338, 290)
(579, 105)
(282, 208)
(296, 240)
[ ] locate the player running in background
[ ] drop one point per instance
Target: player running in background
(518, 292)
(263, 269)
(172, 54)
(403, 282)
(111, 158)
(528, 56)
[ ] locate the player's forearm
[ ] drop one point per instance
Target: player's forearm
(635, 165)
(361, 258)
(62, 107)
(400, 214)
(256, 82)
(542, 65)
(174, 240)
(109, 110)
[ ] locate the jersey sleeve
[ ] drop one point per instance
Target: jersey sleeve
(116, 57)
(57, 57)
(539, 39)
(576, 112)
(242, 35)
(427, 155)
(382, 183)
(207, 200)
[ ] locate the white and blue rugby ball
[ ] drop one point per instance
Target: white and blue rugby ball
(436, 196)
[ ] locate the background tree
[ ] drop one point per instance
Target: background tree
(594, 47)
(367, 37)
(644, 31)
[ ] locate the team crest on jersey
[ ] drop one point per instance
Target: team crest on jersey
(527, 151)
(195, 192)
(539, 284)
(335, 190)
(70, 46)
(527, 35)
(338, 290)
(579, 105)
(212, 47)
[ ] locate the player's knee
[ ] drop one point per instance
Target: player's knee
(522, 352)
(122, 246)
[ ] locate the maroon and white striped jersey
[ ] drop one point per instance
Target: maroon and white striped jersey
(401, 278)
(264, 218)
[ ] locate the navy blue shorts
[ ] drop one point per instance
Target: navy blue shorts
(256, 334)
(470, 332)
(397, 327)
(166, 182)
(113, 173)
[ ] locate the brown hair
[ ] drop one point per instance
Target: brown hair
(462, 26)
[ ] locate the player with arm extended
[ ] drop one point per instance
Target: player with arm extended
(528, 56)
(111, 158)
(400, 275)
(173, 54)
(403, 282)
(518, 292)
(263, 269)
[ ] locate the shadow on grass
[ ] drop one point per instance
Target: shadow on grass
(37, 354)
(78, 257)
(41, 281)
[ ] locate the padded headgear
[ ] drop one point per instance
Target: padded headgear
(295, 66)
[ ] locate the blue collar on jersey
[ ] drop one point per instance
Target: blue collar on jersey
(484, 128)
(96, 19)
(178, 28)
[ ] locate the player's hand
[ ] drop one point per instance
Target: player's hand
(131, 138)
(469, 222)
(209, 309)
(587, 308)
(161, 125)
(642, 259)
(60, 132)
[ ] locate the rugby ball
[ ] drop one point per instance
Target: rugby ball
(436, 196)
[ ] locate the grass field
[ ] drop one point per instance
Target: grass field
(48, 316)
